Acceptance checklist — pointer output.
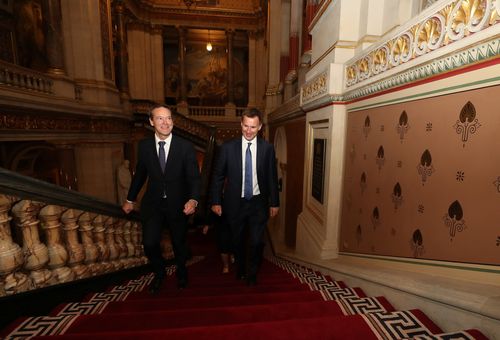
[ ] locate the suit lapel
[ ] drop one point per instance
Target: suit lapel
(259, 158)
(239, 159)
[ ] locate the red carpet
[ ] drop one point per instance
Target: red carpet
(288, 302)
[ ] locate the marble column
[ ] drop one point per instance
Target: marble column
(310, 11)
(182, 66)
(293, 49)
(252, 68)
(273, 98)
(54, 37)
(230, 75)
(121, 59)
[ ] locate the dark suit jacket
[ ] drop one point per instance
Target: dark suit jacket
(180, 182)
(228, 176)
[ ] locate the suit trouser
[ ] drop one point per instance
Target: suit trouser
(152, 233)
(247, 228)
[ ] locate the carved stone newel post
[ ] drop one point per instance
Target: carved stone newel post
(50, 216)
(74, 248)
(11, 255)
(91, 251)
(36, 254)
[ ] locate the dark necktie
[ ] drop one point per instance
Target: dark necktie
(248, 191)
(161, 155)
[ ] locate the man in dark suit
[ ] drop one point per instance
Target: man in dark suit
(245, 187)
(169, 164)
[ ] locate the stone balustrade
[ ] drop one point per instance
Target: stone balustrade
(47, 244)
(24, 78)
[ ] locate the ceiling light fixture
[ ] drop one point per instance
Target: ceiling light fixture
(209, 44)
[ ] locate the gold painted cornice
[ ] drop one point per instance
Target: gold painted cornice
(452, 21)
(315, 88)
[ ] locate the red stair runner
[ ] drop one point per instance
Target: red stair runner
(288, 302)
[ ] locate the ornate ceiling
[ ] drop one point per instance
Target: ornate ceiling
(249, 15)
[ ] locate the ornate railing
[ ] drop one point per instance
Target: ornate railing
(205, 111)
(50, 235)
(24, 78)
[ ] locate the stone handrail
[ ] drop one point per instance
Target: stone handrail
(83, 237)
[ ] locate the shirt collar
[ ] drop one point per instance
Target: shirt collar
(245, 141)
(166, 140)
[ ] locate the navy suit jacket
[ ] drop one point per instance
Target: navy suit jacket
(228, 176)
(181, 180)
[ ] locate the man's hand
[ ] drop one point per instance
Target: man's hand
(190, 207)
(273, 211)
(127, 207)
(217, 209)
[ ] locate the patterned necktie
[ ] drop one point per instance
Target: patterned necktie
(161, 155)
(248, 191)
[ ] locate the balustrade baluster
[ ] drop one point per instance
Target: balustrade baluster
(50, 216)
(11, 256)
(74, 248)
(99, 240)
(36, 254)
(91, 250)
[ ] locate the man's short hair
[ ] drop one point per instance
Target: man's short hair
(252, 113)
(157, 106)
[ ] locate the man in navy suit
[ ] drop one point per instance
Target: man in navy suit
(169, 164)
(245, 189)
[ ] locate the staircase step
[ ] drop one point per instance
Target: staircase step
(211, 302)
(364, 327)
(215, 291)
(145, 320)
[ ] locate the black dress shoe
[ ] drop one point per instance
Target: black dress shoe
(155, 285)
(240, 275)
(252, 280)
(182, 283)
